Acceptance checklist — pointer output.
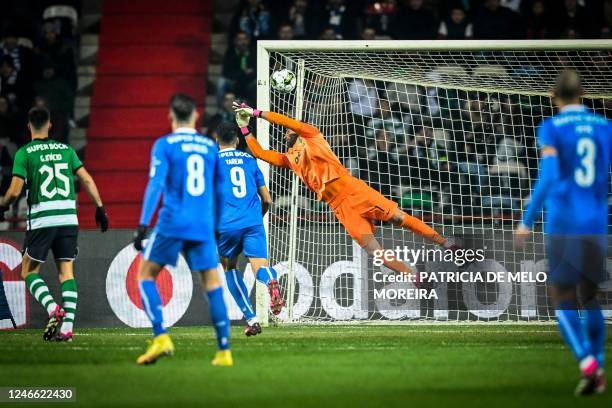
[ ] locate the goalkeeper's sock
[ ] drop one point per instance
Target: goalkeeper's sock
(596, 330)
(69, 299)
(265, 274)
(236, 286)
(218, 314)
(574, 334)
(39, 289)
(419, 227)
(151, 301)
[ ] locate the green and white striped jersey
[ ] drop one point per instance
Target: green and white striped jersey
(48, 168)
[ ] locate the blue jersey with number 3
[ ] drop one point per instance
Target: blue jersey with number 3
(183, 166)
(578, 203)
(238, 179)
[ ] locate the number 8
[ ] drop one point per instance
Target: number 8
(195, 175)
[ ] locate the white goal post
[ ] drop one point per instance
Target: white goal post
(446, 129)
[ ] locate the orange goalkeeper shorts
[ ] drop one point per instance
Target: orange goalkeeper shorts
(357, 205)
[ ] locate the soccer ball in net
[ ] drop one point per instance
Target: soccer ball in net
(283, 80)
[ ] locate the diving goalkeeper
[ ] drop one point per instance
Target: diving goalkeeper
(355, 204)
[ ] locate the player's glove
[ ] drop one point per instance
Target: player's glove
(242, 120)
(101, 219)
(243, 108)
(3, 209)
(139, 236)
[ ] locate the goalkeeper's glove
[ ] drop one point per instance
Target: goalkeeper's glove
(242, 120)
(139, 236)
(3, 209)
(101, 219)
(241, 107)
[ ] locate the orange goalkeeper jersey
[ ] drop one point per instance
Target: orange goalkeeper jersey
(310, 157)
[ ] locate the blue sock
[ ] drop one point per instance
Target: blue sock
(265, 274)
(218, 314)
(152, 304)
(236, 286)
(596, 330)
(572, 330)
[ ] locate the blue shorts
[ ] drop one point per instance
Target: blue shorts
(200, 255)
(251, 240)
(576, 258)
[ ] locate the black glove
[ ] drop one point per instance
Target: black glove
(101, 219)
(139, 235)
(3, 209)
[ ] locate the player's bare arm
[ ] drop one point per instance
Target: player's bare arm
(12, 194)
(266, 199)
(92, 190)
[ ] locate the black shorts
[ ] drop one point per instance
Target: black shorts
(61, 240)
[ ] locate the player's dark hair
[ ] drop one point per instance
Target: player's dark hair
(38, 117)
(568, 86)
(227, 133)
(182, 107)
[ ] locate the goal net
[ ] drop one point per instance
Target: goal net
(445, 129)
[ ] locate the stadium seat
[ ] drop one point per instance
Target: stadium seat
(149, 50)
(62, 11)
(490, 71)
(449, 70)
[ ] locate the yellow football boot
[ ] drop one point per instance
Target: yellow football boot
(160, 346)
(223, 358)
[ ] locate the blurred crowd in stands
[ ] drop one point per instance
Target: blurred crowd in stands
(430, 149)
(403, 20)
(37, 68)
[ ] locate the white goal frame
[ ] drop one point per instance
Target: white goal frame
(266, 47)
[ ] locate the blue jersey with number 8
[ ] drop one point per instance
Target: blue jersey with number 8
(238, 181)
(183, 167)
(578, 203)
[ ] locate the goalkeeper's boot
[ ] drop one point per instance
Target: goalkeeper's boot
(67, 337)
(601, 386)
(276, 299)
(252, 329)
(160, 346)
(55, 321)
(588, 382)
(223, 358)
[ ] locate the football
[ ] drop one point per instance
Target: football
(283, 80)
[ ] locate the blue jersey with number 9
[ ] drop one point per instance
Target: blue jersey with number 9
(183, 166)
(578, 203)
(238, 181)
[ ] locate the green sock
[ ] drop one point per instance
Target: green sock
(39, 289)
(69, 297)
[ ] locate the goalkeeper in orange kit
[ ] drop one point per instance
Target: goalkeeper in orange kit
(355, 204)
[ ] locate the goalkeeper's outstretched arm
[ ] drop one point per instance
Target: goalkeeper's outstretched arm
(271, 156)
(301, 128)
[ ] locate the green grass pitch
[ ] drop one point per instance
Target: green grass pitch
(491, 366)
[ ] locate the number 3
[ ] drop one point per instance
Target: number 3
(587, 150)
(195, 175)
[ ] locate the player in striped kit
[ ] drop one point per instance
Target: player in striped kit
(47, 168)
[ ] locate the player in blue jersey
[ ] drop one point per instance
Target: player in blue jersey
(575, 149)
(183, 166)
(243, 199)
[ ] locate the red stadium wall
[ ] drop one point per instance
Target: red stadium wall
(149, 50)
